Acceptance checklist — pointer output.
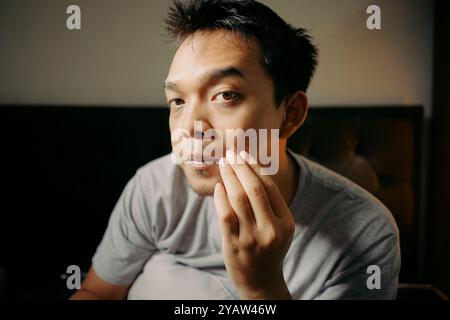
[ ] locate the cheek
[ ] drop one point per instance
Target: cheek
(243, 117)
(248, 121)
(172, 131)
(256, 118)
(172, 122)
(176, 134)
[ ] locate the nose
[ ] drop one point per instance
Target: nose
(195, 121)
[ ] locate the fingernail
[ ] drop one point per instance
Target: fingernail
(230, 156)
(243, 155)
(217, 187)
(240, 158)
(222, 162)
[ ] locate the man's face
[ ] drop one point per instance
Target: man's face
(219, 80)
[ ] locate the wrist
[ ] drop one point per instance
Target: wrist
(276, 290)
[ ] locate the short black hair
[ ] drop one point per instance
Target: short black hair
(288, 54)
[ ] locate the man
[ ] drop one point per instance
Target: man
(202, 230)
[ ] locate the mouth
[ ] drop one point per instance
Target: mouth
(201, 162)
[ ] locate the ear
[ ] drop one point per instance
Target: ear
(296, 110)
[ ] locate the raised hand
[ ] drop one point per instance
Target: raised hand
(257, 227)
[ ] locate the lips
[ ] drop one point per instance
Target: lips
(200, 160)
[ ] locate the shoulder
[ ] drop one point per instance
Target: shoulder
(159, 194)
(159, 187)
(341, 202)
(158, 167)
(161, 176)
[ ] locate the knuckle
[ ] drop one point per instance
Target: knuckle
(290, 226)
(271, 236)
(248, 243)
(270, 186)
(238, 197)
(227, 218)
(257, 190)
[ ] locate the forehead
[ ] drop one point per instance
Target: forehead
(206, 50)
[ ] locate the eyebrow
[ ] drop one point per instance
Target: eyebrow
(213, 75)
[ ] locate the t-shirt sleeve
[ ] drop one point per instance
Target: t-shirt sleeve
(127, 242)
(370, 266)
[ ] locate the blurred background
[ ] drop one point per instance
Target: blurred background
(119, 57)
(80, 109)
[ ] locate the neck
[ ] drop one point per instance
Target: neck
(287, 177)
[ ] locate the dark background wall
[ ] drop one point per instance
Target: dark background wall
(439, 214)
(120, 58)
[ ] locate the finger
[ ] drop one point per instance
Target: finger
(279, 207)
(253, 186)
(225, 213)
(237, 197)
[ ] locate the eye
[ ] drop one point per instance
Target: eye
(175, 102)
(226, 97)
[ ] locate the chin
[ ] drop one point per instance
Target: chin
(202, 181)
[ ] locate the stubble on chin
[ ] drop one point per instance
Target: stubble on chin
(200, 182)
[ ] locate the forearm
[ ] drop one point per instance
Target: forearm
(84, 295)
(275, 294)
(276, 290)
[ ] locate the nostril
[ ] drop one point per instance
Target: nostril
(198, 134)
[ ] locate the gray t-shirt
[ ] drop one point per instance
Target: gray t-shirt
(165, 240)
